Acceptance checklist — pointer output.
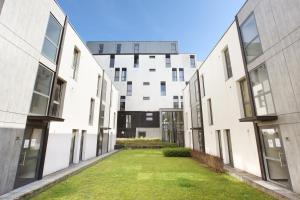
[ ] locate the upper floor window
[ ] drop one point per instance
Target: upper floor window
(210, 113)
(102, 115)
(41, 92)
(75, 65)
(52, 39)
(251, 40)
(124, 74)
(104, 88)
(168, 60)
(261, 90)
(101, 48)
(202, 86)
(163, 89)
(146, 98)
(181, 74)
(91, 115)
(122, 103)
(112, 61)
(175, 102)
(129, 88)
(151, 57)
(136, 48)
(117, 74)
(98, 85)
(196, 86)
(136, 61)
(146, 83)
(227, 63)
(174, 74)
(119, 46)
(59, 94)
(152, 70)
(192, 61)
(246, 98)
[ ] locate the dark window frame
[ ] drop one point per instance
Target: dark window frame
(92, 112)
(129, 88)
(124, 75)
(117, 74)
(210, 113)
(112, 61)
(163, 88)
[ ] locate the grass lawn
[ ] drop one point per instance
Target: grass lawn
(147, 175)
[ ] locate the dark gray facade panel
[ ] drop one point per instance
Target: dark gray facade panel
(145, 47)
(10, 146)
(1, 5)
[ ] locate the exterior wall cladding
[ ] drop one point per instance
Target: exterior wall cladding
(250, 102)
(33, 145)
(147, 65)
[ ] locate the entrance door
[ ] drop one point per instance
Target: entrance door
(229, 145)
(274, 156)
(30, 156)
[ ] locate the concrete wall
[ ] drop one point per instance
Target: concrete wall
(278, 24)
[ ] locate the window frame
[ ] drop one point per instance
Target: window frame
(60, 101)
(124, 75)
(243, 93)
(210, 113)
(228, 64)
(163, 84)
(92, 112)
(98, 86)
(174, 75)
(129, 88)
(117, 75)
(192, 61)
(118, 48)
(112, 61)
(181, 74)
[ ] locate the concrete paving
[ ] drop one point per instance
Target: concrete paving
(36, 187)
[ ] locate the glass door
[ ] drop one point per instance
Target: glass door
(274, 156)
(30, 156)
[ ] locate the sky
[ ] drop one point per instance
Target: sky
(196, 24)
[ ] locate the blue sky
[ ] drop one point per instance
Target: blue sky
(196, 24)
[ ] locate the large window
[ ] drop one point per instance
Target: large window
(119, 46)
(41, 93)
(122, 103)
(75, 64)
(59, 93)
(227, 63)
(246, 98)
(251, 40)
(163, 89)
(210, 113)
(91, 115)
(168, 60)
(98, 86)
(117, 74)
(124, 74)
(202, 86)
(192, 61)
(262, 91)
(102, 115)
(129, 88)
(52, 39)
(136, 61)
(112, 61)
(181, 74)
(128, 121)
(175, 102)
(174, 74)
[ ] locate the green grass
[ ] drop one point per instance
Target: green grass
(148, 175)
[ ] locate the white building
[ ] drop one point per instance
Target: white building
(57, 105)
(150, 77)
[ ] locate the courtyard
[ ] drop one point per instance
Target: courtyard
(147, 175)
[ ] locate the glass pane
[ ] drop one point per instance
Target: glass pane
(53, 30)
(272, 143)
(253, 49)
(39, 104)
(49, 50)
(43, 81)
(249, 30)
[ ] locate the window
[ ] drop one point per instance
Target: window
(151, 57)
(92, 107)
(122, 103)
(246, 98)
(128, 121)
(192, 61)
(119, 46)
(141, 134)
(146, 83)
(202, 86)
(104, 88)
(149, 116)
(173, 47)
(152, 70)
(101, 48)
(196, 86)
(129, 88)
(102, 115)
(52, 39)
(168, 60)
(41, 92)
(181, 74)
(136, 48)
(210, 114)
(136, 61)
(227, 63)
(117, 74)
(175, 102)
(75, 65)
(181, 101)
(98, 86)
(124, 74)
(163, 88)
(251, 40)
(59, 93)
(174, 74)
(261, 89)
(112, 61)
(146, 98)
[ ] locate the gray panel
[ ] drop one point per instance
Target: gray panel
(10, 146)
(1, 5)
(127, 47)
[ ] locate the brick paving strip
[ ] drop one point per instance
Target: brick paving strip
(39, 186)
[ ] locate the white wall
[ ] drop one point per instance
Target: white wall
(150, 132)
(187, 117)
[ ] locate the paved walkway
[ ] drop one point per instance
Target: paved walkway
(265, 186)
(49, 180)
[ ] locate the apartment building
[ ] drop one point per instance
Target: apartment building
(150, 76)
(57, 105)
(243, 103)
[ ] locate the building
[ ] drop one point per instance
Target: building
(243, 102)
(57, 105)
(150, 76)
